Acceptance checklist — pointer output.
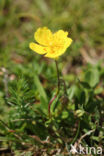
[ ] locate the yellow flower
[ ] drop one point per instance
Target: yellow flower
(50, 44)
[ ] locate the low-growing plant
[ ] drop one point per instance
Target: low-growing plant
(51, 105)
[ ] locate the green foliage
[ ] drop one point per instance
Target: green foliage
(28, 81)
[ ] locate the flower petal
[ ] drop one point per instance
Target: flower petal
(37, 48)
(43, 36)
(60, 36)
(59, 45)
(58, 50)
(68, 42)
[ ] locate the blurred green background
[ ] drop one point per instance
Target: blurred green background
(20, 19)
(28, 77)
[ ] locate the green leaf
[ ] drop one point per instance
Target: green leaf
(85, 85)
(98, 90)
(54, 104)
(92, 77)
(43, 96)
(3, 139)
(72, 91)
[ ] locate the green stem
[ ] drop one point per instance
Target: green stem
(58, 86)
(77, 133)
(58, 77)
(65, 91)
(59, 80)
